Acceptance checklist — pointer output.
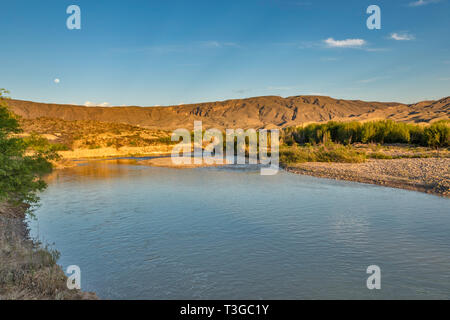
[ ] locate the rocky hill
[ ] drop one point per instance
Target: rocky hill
(258, 112)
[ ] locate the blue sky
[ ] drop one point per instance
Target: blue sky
(171, 52)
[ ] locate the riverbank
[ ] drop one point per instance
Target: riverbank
(141, 230)
(28, 271)
(430, 175)
(106, 152)
(181, 163)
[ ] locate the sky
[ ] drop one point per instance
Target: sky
(173, 52)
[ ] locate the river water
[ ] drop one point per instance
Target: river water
(140, 232)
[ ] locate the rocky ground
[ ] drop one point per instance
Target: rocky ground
(27, 270)
(431, 175)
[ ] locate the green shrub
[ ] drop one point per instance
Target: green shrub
(20, 173)
(437, 134)
(40, 144)
(379, 155)
(323, 153)
(383, 131)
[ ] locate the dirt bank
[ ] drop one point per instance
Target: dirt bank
(27, 270)
(430, 175)
(113, 152)
(181, 162)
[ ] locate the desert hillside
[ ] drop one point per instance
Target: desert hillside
(258, 112)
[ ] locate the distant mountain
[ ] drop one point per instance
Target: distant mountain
(258, 112)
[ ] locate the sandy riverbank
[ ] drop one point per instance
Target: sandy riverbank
(430, 175)
(27, 270)
(180, 162)
(113, 152)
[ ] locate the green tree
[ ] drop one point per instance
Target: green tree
(438, 134)
(21, 169)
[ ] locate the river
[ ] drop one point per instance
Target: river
(140, 232)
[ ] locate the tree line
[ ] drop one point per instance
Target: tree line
(21, 169)
(382, 131)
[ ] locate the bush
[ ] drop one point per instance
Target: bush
(40, 144)
(383, 131)
(438, 134)
(20, 174)
(324, 153)
(379, 155)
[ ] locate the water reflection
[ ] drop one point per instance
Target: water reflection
(229, 233)
(93, 170)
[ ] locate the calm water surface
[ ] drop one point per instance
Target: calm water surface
(139, 232)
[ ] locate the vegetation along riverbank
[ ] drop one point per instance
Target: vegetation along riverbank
(27, 269)
(385, 152)
(388, 153)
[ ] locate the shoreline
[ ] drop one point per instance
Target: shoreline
(429, 175)
(28, 270)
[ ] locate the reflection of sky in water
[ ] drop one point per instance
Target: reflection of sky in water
(157, 233)
(349, 228)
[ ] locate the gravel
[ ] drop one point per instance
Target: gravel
(431, 175)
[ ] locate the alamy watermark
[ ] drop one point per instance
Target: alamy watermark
(374, 20)
(374, 280)
(73, 277)
(74, 20)
(240, 146)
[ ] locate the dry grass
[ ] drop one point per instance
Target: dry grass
(27, 270)
(93, 139)
(322, 153)
(113, 152)
(356, 153)
(86, 134)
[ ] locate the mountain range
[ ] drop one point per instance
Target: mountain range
(258, 112)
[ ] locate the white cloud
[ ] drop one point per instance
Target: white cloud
(57, 80)
(402, 36)
(92, 104)
(444, 79)
(347, 43)
(420, 3)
